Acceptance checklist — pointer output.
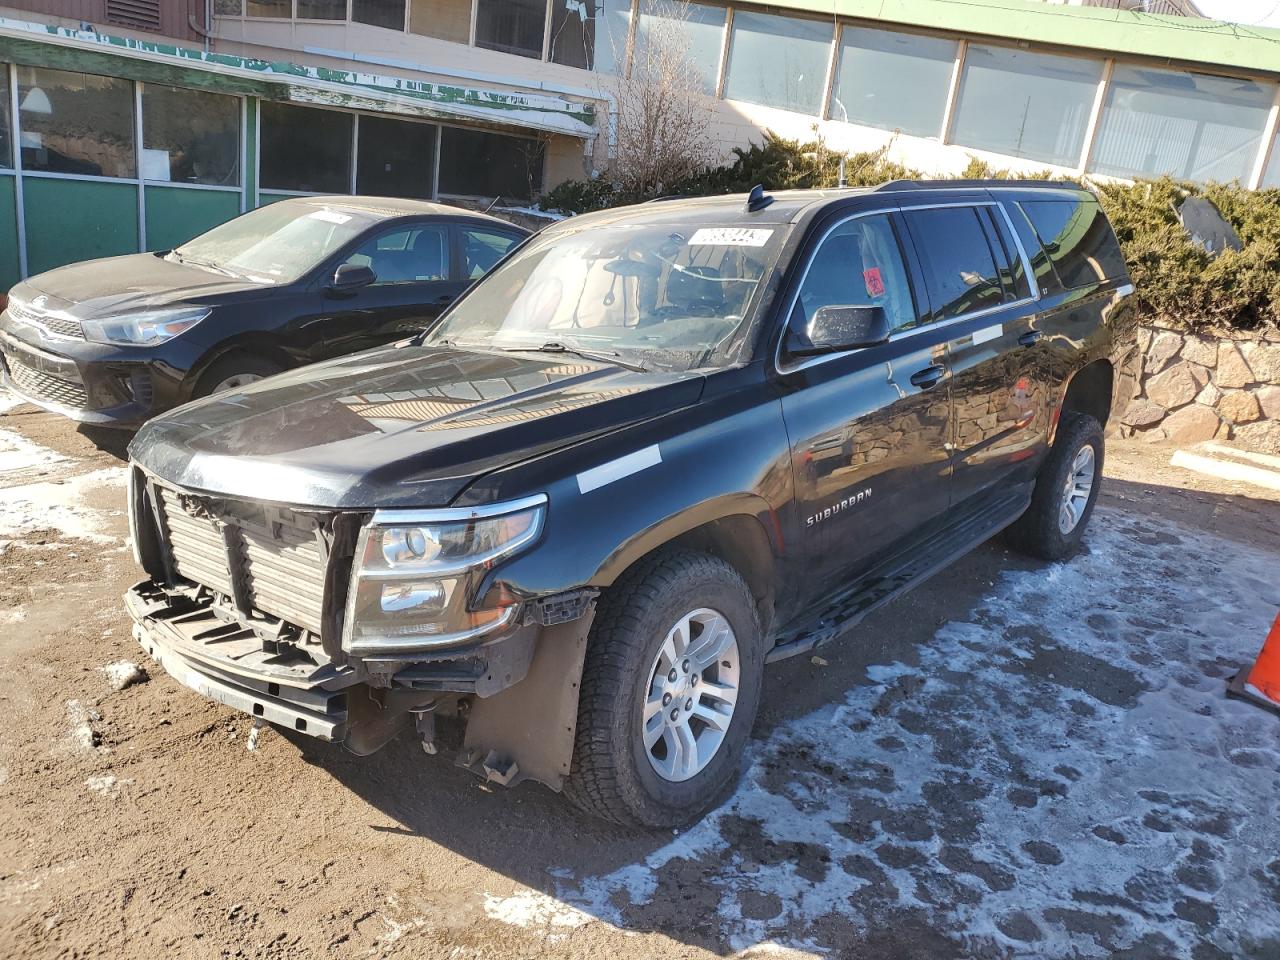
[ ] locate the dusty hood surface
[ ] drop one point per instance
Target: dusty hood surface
(104, 288)
(398, 426)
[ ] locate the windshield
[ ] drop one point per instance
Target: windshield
(663, 295)
(276, 243)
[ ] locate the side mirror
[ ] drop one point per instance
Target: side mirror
(835, 328)
(350, 277)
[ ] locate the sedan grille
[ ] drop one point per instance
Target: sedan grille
(56, 324)
(267, 559)
(41, 386)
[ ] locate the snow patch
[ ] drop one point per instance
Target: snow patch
(529, 908)
(61, 506)
(83, 720)
(123, 673)
(17, 453)
(106, 784)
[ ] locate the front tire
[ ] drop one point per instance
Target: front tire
(1066, 491)
(233, 372)
(670, 689)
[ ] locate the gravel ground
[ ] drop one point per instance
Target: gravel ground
(1017, 760)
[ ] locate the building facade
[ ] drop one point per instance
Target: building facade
(131, 125)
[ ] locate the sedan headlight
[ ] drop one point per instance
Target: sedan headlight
(416, 572)
(143, 329)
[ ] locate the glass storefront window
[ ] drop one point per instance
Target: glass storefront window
(6, 138)
(322, 9)
(277, 9)
(190, 136)
(305, 149)
(511, 26)
(893, 81)
(75, 123)
(379, 13)
(395, 158)
(1271, 176)
(443, 19)
(693, 31)
(227, 8)
(778, 61)
(1022, 104)
(475, 163)
(1186, 125)
(591, 34)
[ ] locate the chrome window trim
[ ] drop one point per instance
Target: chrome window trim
(383, 518)
(805, 363)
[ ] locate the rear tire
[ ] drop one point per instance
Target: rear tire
(233, 371)
(1066, 491)
(635, 763)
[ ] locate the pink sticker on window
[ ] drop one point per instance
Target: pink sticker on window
(871, 276)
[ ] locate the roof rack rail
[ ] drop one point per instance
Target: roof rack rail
(671, 196)
(972, 184)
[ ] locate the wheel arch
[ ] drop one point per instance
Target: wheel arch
(1090, 391)
(258, 346)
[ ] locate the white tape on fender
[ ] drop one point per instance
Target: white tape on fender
(607, 473)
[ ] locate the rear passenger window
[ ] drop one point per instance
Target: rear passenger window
(960, 268)
(1078, 240)
(1013, 273)
(858, 265)
(1046, 277)
(481, 249)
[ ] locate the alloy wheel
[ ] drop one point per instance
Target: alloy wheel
(1077, 489)
(692, 693)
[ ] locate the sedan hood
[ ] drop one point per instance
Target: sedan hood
(401, 426)
(117, 285)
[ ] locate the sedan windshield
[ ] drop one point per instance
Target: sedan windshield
(660, 295)
(277, 243)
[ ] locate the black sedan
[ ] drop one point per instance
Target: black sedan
(118, 340)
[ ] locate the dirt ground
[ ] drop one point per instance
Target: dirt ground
(1018, 759)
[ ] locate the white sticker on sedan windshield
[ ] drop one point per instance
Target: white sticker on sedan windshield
(328, 216)
(729, 237)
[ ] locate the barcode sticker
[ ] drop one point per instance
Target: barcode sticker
(730, 237)
(328, 216)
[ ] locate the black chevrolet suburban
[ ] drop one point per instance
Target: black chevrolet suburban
(656, 448)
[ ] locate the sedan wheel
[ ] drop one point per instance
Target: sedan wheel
(235, 381)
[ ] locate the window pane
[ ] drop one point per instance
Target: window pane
(395, 158)
(379, 13)
(1013, 273)
(893, 81)
(322, 9)
(407, 256)
(692, 31)
(268, 8)
(305, 149)
(227, 8)
(858, 265)
(959, 268)
(1271, 178)
(1183, 124)
(445, 19)
(189, 136)
(1077, 239)
(1032, 105)
(75, 122)
(591, 33)
(481, 249)
(512, 26)
(474, 163)
(1046, 277)
(6, 143)
(778, 61)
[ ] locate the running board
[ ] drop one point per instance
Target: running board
(901, 573)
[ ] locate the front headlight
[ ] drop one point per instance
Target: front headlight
(143, 329)
(416, 572)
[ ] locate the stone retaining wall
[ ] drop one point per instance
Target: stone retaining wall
(1188, 387)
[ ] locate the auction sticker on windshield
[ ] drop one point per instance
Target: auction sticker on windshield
(328, 216)
(730, 237)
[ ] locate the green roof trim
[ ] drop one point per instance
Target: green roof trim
(1095, 29)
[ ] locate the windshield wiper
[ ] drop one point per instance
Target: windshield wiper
(555, 346)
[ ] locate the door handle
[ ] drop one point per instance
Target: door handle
(1030, 337)
(926, 378)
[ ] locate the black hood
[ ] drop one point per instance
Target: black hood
(396, 427)
(139, 281)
